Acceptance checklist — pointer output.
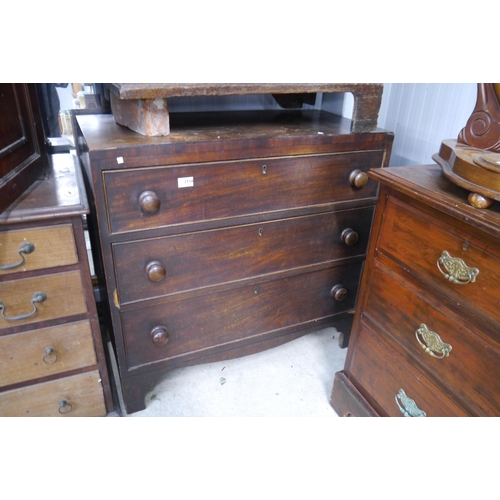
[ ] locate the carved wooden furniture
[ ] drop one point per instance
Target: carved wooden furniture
(235, 233)
(473, 160)
(51, 355)
(426, 333)
(143, 107)
(23, 158)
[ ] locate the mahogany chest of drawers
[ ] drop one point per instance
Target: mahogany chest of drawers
(235, 233)
(52, 361)
(426, 334)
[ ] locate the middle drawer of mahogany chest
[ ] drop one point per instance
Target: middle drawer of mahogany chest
(207, 258)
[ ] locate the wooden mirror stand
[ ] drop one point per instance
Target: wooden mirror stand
(473, 160)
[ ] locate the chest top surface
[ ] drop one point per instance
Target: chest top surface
(60, 194)
(230, 135)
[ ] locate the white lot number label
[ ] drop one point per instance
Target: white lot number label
(184, 182)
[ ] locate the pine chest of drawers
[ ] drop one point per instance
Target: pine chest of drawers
(235, 233)
(426, 334)
(52, 361)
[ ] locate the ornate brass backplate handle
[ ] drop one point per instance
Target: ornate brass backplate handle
(37, 297)
(432, 343)
(456, 269)
(408, 407)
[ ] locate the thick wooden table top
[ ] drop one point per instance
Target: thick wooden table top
(162, 90)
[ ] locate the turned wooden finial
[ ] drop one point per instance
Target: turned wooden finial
(483, 126)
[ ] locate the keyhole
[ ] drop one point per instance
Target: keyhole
(264, 169)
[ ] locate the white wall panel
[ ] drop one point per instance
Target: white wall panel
(422, 115)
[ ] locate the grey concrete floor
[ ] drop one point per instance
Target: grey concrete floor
(291, 380)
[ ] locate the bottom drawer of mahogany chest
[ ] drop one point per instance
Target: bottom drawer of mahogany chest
(390, 386)
(195, 324)
(76, 396)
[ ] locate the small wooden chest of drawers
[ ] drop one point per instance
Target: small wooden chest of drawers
(51, 354)
(235, 233)
(426, 334)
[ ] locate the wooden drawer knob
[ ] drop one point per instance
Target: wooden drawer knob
(159, 335)
(338, 292)
(155, 271)
(358, 179)
(149, 202)
(349, 236)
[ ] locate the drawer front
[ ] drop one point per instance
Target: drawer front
(82, 393)
(63, 297)
(227, 317)
(165, 196)
(417, 320)
(39, 353)
(37, 248)
(417, 243)
(380, 374)
(175, 264)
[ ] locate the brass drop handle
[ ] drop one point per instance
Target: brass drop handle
(431, 343)
(358, 178)
(456, 270)
(338, 292)
(159, 335)
(50, 356)
(65, 407)
(349, 236)
(149, 202)
(24, 248)
(407, 406)
(37, 297)
(155, 270)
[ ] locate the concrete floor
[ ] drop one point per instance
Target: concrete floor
(291, 380)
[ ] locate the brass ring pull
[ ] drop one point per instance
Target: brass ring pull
(456, 269)
(37, 297)
(65, 407)
(24, 248)
(432, 343)
(408, 407)
(50, 356)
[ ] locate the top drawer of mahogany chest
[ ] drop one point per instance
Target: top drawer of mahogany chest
(146, 198)
(37, 248)
(464, 268)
